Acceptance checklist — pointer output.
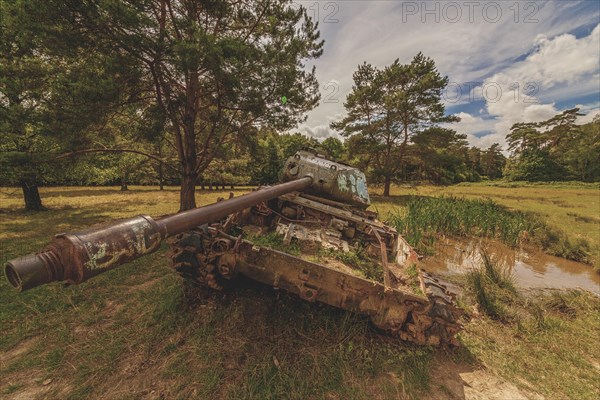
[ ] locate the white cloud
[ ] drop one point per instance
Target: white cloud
(323, 131)
(319, 131)
(473, 126)
(563, 60)
(590, 111)
(560, 60)
(374, 31)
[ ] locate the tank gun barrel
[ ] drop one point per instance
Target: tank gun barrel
(76, 257)
(178, 223)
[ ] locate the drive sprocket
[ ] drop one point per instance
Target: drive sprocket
(190, 260)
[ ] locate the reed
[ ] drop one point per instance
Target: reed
(426, 218)
(493, 287)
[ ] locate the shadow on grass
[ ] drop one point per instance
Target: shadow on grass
(279, 346)
(446, 373)
(65, 191)
(137, 328)
(84, 192)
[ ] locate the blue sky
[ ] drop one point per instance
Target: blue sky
(508, 61)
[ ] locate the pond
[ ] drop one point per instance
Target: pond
(531, 268)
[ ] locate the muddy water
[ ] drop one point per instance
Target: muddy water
(531, 268)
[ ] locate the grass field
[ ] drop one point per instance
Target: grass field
(132, 334)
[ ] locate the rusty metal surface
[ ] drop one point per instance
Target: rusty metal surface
(175, 224)
(333, 180)
(426, 318)
(422, 319)
(384, 261)
(411, 317)
(81, 255)
(363, 217)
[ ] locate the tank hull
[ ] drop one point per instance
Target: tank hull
(310, 251)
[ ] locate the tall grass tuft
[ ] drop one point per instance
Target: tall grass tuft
(426, 218)
(499, 276)
(485, 299)
(492, 286)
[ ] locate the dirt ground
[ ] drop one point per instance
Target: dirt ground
(451, 381)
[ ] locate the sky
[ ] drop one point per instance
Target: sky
(507, 61)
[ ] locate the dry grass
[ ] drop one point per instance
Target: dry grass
(545, 341)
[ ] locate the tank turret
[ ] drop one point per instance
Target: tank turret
(335, 181)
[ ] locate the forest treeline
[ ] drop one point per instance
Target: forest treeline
(181, 92)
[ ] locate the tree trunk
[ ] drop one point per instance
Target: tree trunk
(386, 188)
(188, 156)
(124, 185)
(161, 174)
(161, 179)
(31, 195)
(187, 196)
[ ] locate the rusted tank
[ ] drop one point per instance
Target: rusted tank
(310, 235)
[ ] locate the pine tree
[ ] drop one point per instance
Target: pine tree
(386, 107)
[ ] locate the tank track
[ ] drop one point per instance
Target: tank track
(430, 321)
(440, 318)
(189, 260)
